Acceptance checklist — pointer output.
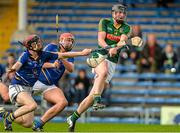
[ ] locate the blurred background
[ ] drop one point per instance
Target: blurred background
(146, 86)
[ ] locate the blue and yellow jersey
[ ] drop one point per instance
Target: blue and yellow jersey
(29, 72)
(50, 76)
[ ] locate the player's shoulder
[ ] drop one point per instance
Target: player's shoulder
(126, 25)
(24, 54)
(105, 20)
(50, 47)
(52, 44)
(45, 52)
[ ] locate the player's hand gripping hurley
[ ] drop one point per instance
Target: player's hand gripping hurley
(96, 58)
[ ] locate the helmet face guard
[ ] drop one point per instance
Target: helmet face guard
(33, 42)
(66, 41)
(119, 8)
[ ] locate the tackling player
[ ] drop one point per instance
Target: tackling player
(51, 73)
(27, 70)
(4, 83)
(4, 92)
(111, 31)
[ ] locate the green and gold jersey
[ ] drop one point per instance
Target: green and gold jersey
(113, 34)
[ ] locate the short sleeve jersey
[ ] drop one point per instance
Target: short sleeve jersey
(113, 34)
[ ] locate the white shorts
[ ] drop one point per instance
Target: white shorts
(111, 70)
(39, 87)
(14, 90)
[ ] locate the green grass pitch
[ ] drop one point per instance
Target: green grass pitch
(101, 127)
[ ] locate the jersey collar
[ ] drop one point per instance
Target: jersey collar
(30, 56)
(117, 27)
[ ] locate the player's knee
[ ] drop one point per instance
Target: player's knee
(60, 105)
(63, 103)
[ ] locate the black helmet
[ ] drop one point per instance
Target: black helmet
(119, 7)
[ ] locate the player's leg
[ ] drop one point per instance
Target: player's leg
(94, 96)
(99, 83)
(25, 114)
(57, 98)
(103, 77)
(26, 120)
(19, 116)
(4, 114)
(4, 92)
(18, 94)
(97, 89)
(27, 102)
(83, 106)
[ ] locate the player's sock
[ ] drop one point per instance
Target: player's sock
(8, 122)
(10, 118)
(97, 102)
(75, 116)
(39, 123)
(97, 98)
(6, 114)
(3, 112)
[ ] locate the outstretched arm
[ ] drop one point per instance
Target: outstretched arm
(64, 55)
